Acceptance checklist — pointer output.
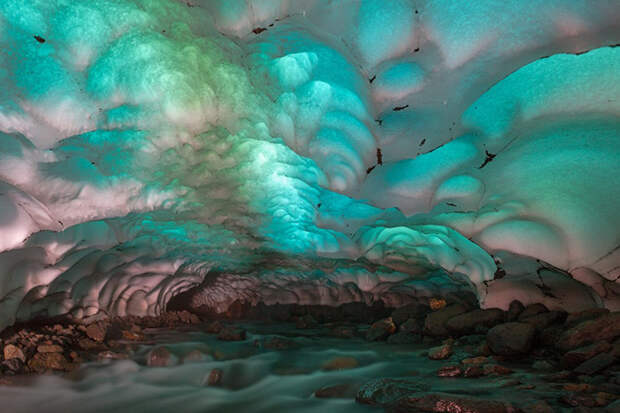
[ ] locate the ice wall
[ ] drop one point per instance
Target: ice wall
(386, 149)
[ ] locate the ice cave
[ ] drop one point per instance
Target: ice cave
(310, 205)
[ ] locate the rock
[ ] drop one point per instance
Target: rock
(605, 327)
(404, 338)
(540, 406)
(42, 362)
(449, 371)
(496, 369)
(386, 390)
(475, 360)
(111, 355)
(215, 377)
(511, 339)
(187, 317)
(468, 322)
(542, 365)
(131, 335)
(305, 322)
(159, 357)
(575, 318)
(473, 371)
(381, 330)
(434, 324)
(343, 332)
(13, 352)
(440, 352)
(13, 365)
(436, 303)
(411, 326)
(450, 403)
(532, 310)
(96, 331)
(340, 363)
(544, 320)
(88, 344)
(597, 363)
(195, 356)
(214, 327)
(415, 311)
(49, 348)
(575, 357)
(231, 334)
(514, 310)
(335, 391)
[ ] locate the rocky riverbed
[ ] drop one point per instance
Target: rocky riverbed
(434, 356)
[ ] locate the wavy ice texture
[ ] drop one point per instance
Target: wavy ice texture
(149, 147)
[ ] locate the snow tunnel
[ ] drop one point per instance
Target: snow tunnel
(307, 161)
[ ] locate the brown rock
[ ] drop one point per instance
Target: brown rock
(411, 326)
(511, 339)
(496, 369)
(450, 403)
(544, 320)
(575, 318)
(42, 362)
(386, 391)
(215, 377)
(434, 324)
(279, 343)
(436, 303)
(13, 352)
(96, 331)
(331, 392)
(340, 363)
(540, 406)
(440, 352)
(413, 311)
(159, 357)
(473, 371)
(606, 327)
(468, 322)
(532, 309)
(575, 357)
(214, 327)
(449, 371)
(49, 348)
(475, 360)
(597, 363)
(381, 330)
(231, 334)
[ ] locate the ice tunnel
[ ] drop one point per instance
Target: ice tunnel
(213, 155)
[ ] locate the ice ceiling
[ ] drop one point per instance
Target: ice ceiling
(307, 151)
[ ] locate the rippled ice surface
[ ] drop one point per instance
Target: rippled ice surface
(254, 379)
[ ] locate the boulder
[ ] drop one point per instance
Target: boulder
(381, 330)
(511, 339)
(49, 348)
(577, 356)
(411, 326)
(543, 320)
(386, 391)
(469, 322)
(532, 310)
(13, 352)
(606, 327)
(335, 391)
(451, 403)
(42, 362)
(411, 311)
(449, 371)
(441, 352)
(514, 310)
(597, 363)
(434, 324)
(159, 357)
(575, 318)
(215, 377)
(96, 331)
(404, 338)
(340, 363)
(231, 334)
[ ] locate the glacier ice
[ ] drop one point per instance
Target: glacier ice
(307, 151)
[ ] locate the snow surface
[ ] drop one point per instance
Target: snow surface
(388, 149)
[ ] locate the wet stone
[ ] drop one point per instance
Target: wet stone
(511, 339)
(441, 352)
(387, 390)
(514, 310)
(159, 357)
(96, 331)
(381, 329)
(13, 352)
(231, 334)
(596, 364)
(340, 363)
(449, 371)
(215, 377)
(451, 403)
